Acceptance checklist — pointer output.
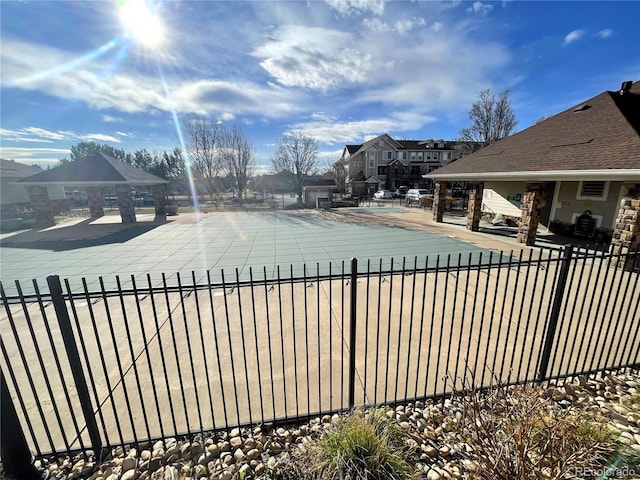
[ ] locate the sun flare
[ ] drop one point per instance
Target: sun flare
(142, 24)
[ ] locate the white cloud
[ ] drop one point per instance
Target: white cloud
(40, 135)
(110, 119)
(314, 58)
(130, 92)
(436, 27)
(47, 134)
(99, 137)
(480, 8)
(330, 130)
(232, 99)
(606, 33)
(32, 156)
(573, 36)
(405, 26)
(376, 25)
(401, 27)
(356, 7)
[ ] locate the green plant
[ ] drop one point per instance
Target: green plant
(517, 432)
(364, 447)
(631, 401)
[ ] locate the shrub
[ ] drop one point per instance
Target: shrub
(632, 402)
(364, 447)
(360, 447)
(517, 432)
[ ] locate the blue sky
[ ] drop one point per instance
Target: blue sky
(343, 71)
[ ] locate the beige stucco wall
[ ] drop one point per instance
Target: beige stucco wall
(567, 204)
(497, 198)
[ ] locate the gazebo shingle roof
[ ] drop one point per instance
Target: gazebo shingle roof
(601, 134)
(95, 169)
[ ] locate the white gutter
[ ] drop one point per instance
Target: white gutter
(559, 175)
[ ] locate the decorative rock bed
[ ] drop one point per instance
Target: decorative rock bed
(256, 453)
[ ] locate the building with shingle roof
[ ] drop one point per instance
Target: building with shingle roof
(96, 169)
(386, 163)
(586, 158)
(93, 172)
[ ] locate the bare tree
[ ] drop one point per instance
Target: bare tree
(339, 173)
(237, 158)
(202, 138)
(492, 119)
(296, 156)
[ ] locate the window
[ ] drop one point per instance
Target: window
(388, 155)
(403, 155)
(383, 170)
(435, 155)
(372, 163)
(420, 156)
(413, 155)
(593, 190)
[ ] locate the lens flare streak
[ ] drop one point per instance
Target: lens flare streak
(68, 66)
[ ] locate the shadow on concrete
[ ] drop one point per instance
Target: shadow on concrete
(548, 239)
(545, 239)
(80, 235)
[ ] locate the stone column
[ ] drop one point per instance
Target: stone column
(626, 235)
(532, 202)
(475, 207)
(439, 200)
(125, 204)
(41, 205)
(159, 201)
(96, 202)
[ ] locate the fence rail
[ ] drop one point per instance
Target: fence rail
(100, 368)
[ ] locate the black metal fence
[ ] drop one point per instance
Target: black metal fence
(94, 369)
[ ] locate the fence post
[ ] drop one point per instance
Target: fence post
(55, 288)
(352, 330)
(555, 312)
(14, 451)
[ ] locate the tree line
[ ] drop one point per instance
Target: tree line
(219, 158)
(168, 165)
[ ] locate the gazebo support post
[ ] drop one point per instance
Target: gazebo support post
(532, 202)
(626, 235)
(96, 202)
(41, 205)
(475, 206)
(159, 202)
(439, 200)
(125, 204)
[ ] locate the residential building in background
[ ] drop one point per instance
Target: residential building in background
(384, 163)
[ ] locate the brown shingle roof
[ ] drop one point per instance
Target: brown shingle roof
(601, 133)
(94, 169)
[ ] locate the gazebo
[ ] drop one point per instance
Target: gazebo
(91, 173)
